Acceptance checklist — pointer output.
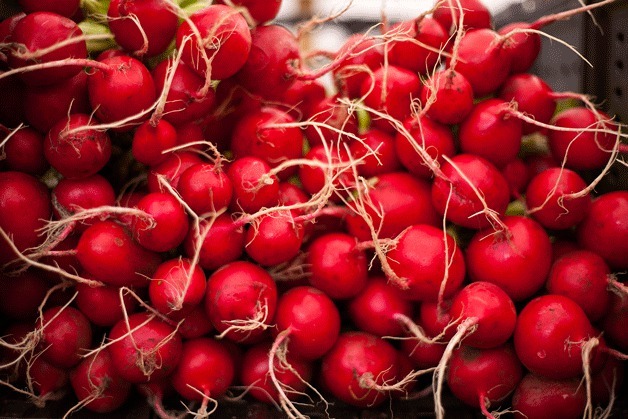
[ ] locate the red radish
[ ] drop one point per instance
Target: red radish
(46, 105)
(582, 276)
(97, 384)
(614, 322)
(451, 96)
(143, 27)
(166, 226)
(73, 195)
(398, 200)
(582, 150)
(80, 153)
(309, 319)
(274, 238)
(331, 122)
(302, 96)
(224, 44)
(240, 301)
(196, 324)
(533, 96)
(427, 263)
(171, 169)
(269, 70)
(356, 366)
(255, 135)
(205, 188)
(22, 294)
(549, 337)
(123, 94)
(366, 56)
(223, 242)
(538, 397)
(39, 31)
(337, 265)
(489, 309)
(435, 318)
(187, 100)
(518, 261)
(416, 44)
(254, 186)
(376, 308)
(65, 8)
(554, 198)
(177, 287)
(107, 252)
(383, 160)
(144, 348)
(260, 11)
(604, 229)
(437, 140)
(91, 300)
(474, 15)
(484, 60)
(47, 380)
(491, 132)
(291, 373)
(483, 377)
(206, 370)
(24, 152)
(24, 209)
(422, 354)
(150, 140)
(66, 333)
(391, 90)
(525, 47)
(456, 194)
(517, 175)
(318, 180)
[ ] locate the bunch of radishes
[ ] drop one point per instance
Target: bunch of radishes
(187, 212)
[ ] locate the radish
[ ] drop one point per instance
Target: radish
(65, 8)
(384, 160)
(447, 97)
(538, 397)
(533, 96)
(90, 301)
(517, 175)
(196, 324)
(254, 186)
(97, 385)
(557, 198)
(60, 347)
(22, 295)
(41, 35)
(604, 229)
(584, 277)
(73, 195)
(205, 372)
(474, 14)
(150, 141)
(47, 380)
(143, 27)
(329, 172)
(518, 261)
(274, 238)
(367, 56)
(422, 354)
(205, 188)
(24, 151)
(331, 122)
(472, 193)
(416, 44)
(223, 242)
(483, 377)
(144, 348)
(260, 11)
(337, 265)
(427, 262)
(171, 169)
(302, 96)
(491, 132)
(240, 301)
(107, 251)
(176, 287)
(308, 320)
(215, 41)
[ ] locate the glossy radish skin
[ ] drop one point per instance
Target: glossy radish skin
(420, 260)
(205, 188)
(517, 261)
(604, 229)
(355, 356)
(524, 47)
(412, 55)
(177, 287)
(549, 335)
(254, 187)
(149, 142)
(206, 369)
(582, 276)
(73, 195)
(157, 21)
(66, 333)
(493, 310)
(217, 25)
(274, 239)
(452, 97)
(96, 377)
(80, 154)
(223, 243)
(483, 377)
(90, 301)
(464, 205)
(582, 150)
(491, 132)
(533, 96)
(237, 292)
(548, 201)
(537, 397)
(312, 320)
(144, 350)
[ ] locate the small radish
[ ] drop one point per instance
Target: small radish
(274, 238)
(533, 96)
(144, 348)
(474, 14)
(452, 97)
(331, 122)
(171, 169)
(65, 334)
(422, 354)
(74, 149)
(65, 8)
(73, 195)
(90, 301)
(384, 160)
(240, 301)
(24, 152)
(367, 56)
(538, 397)
(254, 186)
(261, 11)
(223, 242)
(149, 142)
(302, 96)
(48, 381)
(205, 188)
(177, 287)
(412, 38)
(320, 180)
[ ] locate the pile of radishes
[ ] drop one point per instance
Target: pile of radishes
(188, 213)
